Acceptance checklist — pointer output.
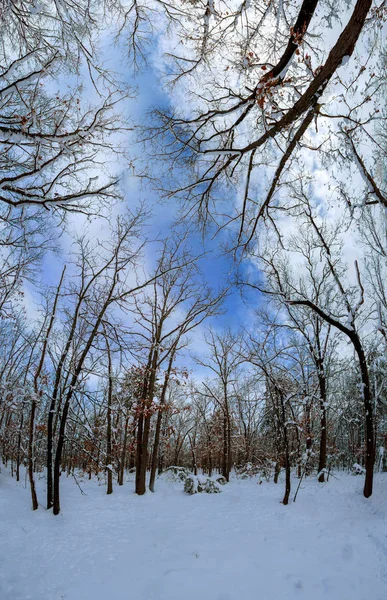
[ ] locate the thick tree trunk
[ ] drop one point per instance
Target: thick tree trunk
(156, 443)
(58, 456)
(369, 425)
(286, 453)
(143, 455)
(140, 487)
(287, 479)
(145, 419)
(123, 454)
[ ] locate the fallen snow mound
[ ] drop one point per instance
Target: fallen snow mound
(195, 484)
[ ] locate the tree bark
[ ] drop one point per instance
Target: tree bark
(322, 462)
(369, 425)
(285, 500)
(277, 470)
(109, 424)
(145, 419)
(34, 498)
(58, 455)
(19, 447)
(123, 453)
(158, 426)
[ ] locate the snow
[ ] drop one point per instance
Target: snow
(344, 61)
(242, 544)
(358, 469)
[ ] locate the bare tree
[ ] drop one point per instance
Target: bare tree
(224, 361)
(336, 302)
(255, 104)
(281, 283)
(37, 392)
(180, 301)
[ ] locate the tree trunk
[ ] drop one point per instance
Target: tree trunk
(109, 425)
(225, 449)
(158, 425)
(322, 462)
(210, 467)
(277, 470)
(18, 447)
(155, 451)
(140, 422)
(226, 457)
(34, 498)
(58, 456)
(229, 455)
(50, 423)
(144, 457)
(286, 454)
(123, 454)
(369, 426)
(144, 420)
(193, 453)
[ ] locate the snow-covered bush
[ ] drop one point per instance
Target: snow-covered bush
(212, 487)
(175, 473)
(247, 470)
(358, 469)
(195, 484)
(265, 468)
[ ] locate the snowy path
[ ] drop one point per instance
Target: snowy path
(238, 545)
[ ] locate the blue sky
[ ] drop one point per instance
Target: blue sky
(218, 268)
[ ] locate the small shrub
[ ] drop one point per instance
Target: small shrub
(196, 484)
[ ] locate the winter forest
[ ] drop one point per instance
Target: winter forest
(193, 299)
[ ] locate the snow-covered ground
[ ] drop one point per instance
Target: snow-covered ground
(241, 544)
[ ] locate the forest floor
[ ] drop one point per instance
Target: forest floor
(242, 544)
